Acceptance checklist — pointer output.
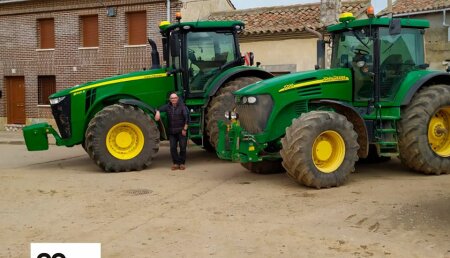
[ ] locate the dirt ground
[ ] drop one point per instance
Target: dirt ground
(217, 209)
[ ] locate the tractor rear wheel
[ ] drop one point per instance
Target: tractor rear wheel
(264, 167)
(223, 101)
(424, 131)
(122, 138)
(320, 149)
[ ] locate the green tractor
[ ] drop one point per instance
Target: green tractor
(113, 118)
(377, 100)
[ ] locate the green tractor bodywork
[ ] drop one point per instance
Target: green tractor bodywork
(201, 58)
(377, 72)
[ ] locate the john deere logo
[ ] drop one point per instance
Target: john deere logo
(323, 80)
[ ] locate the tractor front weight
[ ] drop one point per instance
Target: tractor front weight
(236, 145)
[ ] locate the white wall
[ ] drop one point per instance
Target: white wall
(194, 10)
(301, 52)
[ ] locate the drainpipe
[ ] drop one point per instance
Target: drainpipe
(444, 13)
(168, 10)
(320, 48)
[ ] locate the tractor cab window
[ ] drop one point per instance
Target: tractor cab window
(207, 52)
(354, 49)
(399, 54)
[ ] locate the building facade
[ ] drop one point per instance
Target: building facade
(437, 37)
(46, 46)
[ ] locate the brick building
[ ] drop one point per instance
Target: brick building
(46, 46)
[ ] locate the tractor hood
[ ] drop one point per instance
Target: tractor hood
(111, 81)
(287, 83)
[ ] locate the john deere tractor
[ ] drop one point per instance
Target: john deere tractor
(113, 118)
(377, 99)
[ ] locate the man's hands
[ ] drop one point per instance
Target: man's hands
(184, 131)
(157, 115)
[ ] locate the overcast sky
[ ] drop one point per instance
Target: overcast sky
(243, 4)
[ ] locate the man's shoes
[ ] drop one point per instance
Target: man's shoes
(175, 167)
(182, 167)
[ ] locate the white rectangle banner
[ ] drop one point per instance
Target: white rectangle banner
(65, 250)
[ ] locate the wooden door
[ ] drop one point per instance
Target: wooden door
(15, 91)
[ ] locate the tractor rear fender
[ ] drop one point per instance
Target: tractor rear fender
(248, 72)
(427, 80)
(353, 117)
(147, 109)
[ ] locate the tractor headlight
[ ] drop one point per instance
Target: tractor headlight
(231, 115)
(244, 100)
(55, 101)
(251, 100)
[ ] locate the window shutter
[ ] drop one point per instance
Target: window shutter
(47, 33)
(137, 28)
(90, 30)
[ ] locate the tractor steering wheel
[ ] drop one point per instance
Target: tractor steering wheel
(360, 51)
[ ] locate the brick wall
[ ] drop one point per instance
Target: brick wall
(71, 65)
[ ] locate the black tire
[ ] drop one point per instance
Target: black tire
(101, 124)
(223, 101)
(264, 167)
(414, 145)
(297, 148)
(373, 156)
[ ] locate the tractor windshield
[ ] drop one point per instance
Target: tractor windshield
(399, 54)
(207, 52)
(354, 49)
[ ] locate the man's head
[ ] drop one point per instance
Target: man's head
(173, 98)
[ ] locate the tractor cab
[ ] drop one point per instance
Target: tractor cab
(198, 51)
(380, 52)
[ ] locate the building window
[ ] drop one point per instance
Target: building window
(137, 28)
(46, 87)
(89, 30)
(46, 33)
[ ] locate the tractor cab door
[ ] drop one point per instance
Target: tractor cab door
(207, 53)
(354, 49)
(399, 54)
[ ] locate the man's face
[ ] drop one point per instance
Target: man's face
(173, 98)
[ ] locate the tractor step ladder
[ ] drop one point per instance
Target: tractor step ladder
(196, 120)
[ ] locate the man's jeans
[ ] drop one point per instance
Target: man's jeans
(175, 140)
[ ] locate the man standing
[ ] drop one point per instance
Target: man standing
(178, 124)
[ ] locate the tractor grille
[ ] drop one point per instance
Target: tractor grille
(61, 113)
(253, 117)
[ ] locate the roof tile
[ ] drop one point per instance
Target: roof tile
(279, 19)
(412, 6)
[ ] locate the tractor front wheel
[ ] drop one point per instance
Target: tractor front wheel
(320, 149)
(424, 131)
(122, 138)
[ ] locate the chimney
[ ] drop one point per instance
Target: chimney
(329, 11)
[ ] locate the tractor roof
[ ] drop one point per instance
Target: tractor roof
(208, 25)
(381, 22)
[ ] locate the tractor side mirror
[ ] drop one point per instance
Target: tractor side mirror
(175, 45)
(395, 27)
(252, 58)
(165, 52)
(344, 60)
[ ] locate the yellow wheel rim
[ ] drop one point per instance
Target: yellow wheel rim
(328, 151)
(125, 141)
(439, 132)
